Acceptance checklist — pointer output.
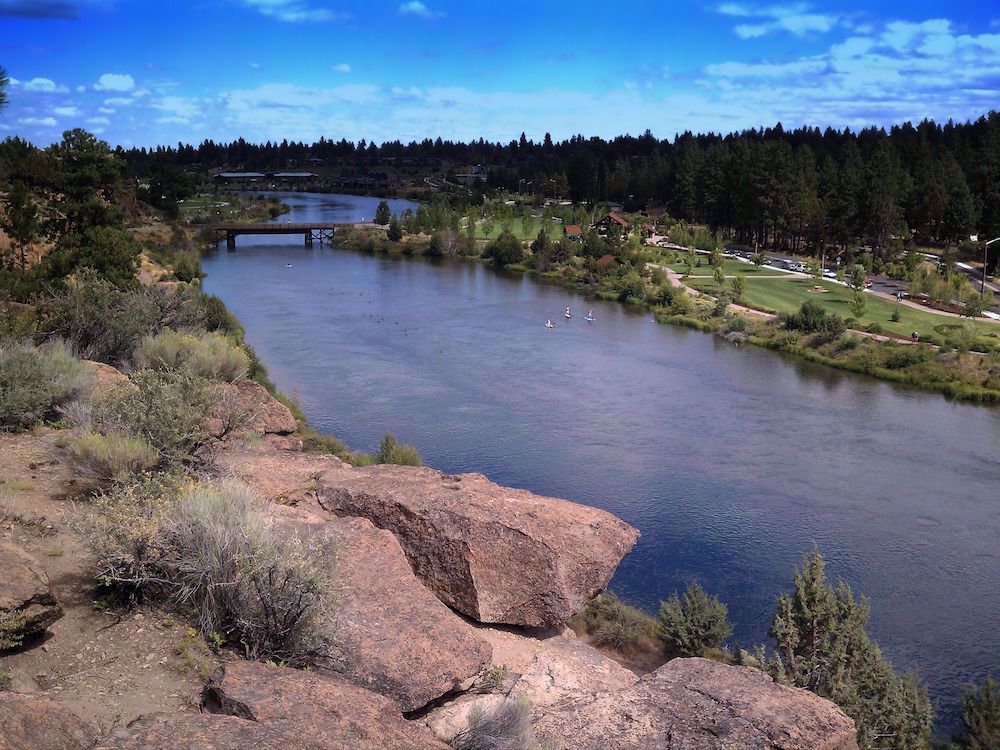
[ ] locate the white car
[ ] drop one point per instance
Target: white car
(829, 274)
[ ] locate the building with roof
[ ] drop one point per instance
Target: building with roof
(613, 219)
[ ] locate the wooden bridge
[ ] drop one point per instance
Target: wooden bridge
(311, 232)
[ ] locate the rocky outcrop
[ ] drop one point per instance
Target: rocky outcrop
(27, 604)
(389, 633)
(29, 722)
(496, 554)
(698, 704)
(315, 710)
(191, 731)
(544, 672)
(246, 407)
(105, 379)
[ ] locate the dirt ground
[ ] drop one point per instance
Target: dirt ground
(109, 667)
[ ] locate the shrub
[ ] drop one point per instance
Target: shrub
(99, 320)
(35, 382)
(211, 356)
(247, 586)
(218, 318)
(690, 624)
(113, 457)
(391, 452)
(907, 356)
(506, 249)
(207, 548)
(895, 317)
(736, 323)
(617, 625)
(187, 267)
(166, 409)
(125, 539)
(874, 328)
(681, 303)
(721, 305)
(505, 727)
(813, 318)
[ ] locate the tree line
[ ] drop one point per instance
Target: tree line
(801, 190)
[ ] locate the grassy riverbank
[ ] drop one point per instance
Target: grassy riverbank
(945, 362)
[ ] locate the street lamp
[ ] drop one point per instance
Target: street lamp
(975, 238)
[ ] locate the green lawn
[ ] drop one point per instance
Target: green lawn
(554, 229)
(787, 295)
(731, 267)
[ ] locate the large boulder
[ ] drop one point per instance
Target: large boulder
(313, 709)
(246, 407)
(496, 554)
(192, 731)
(30, 722)
(27, 604)
(389, 633)
(698, 704)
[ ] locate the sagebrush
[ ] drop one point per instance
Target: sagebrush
(36, 381)
(505, 727)
(211, 356)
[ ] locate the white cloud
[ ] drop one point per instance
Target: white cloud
(177, 106)
(40, 86)
(795, 18)
(115, 82)
(417, 8)
(173, 119)
(342, 68)
(255, 66)
(750, 31)
(80, 89)
(295, 11)
(98, 121)
(106, 110)
(66, 111)
(119, 101)
(285, 96)
(49, 122)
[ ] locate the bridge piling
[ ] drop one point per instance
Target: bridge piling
(230, 240)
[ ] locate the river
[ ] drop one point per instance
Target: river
(733, 462)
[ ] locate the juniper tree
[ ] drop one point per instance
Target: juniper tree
(980, 717)
(822, 645)
(690, 624)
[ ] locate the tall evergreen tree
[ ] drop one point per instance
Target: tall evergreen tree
(822, 645)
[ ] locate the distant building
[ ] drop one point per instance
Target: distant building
(471, 174)
(606, 260)
(573, 231)
(612, 219)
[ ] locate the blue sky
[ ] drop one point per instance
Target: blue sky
(140, 72)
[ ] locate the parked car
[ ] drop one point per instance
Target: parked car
(829, 273)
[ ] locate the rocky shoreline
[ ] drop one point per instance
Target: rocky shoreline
(452, 595)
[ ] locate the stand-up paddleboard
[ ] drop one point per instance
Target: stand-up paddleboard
(567, 315)
(550, 325)
(590, 318)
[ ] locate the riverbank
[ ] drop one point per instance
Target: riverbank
(946, 366)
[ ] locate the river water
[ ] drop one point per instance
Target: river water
(732, 462)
